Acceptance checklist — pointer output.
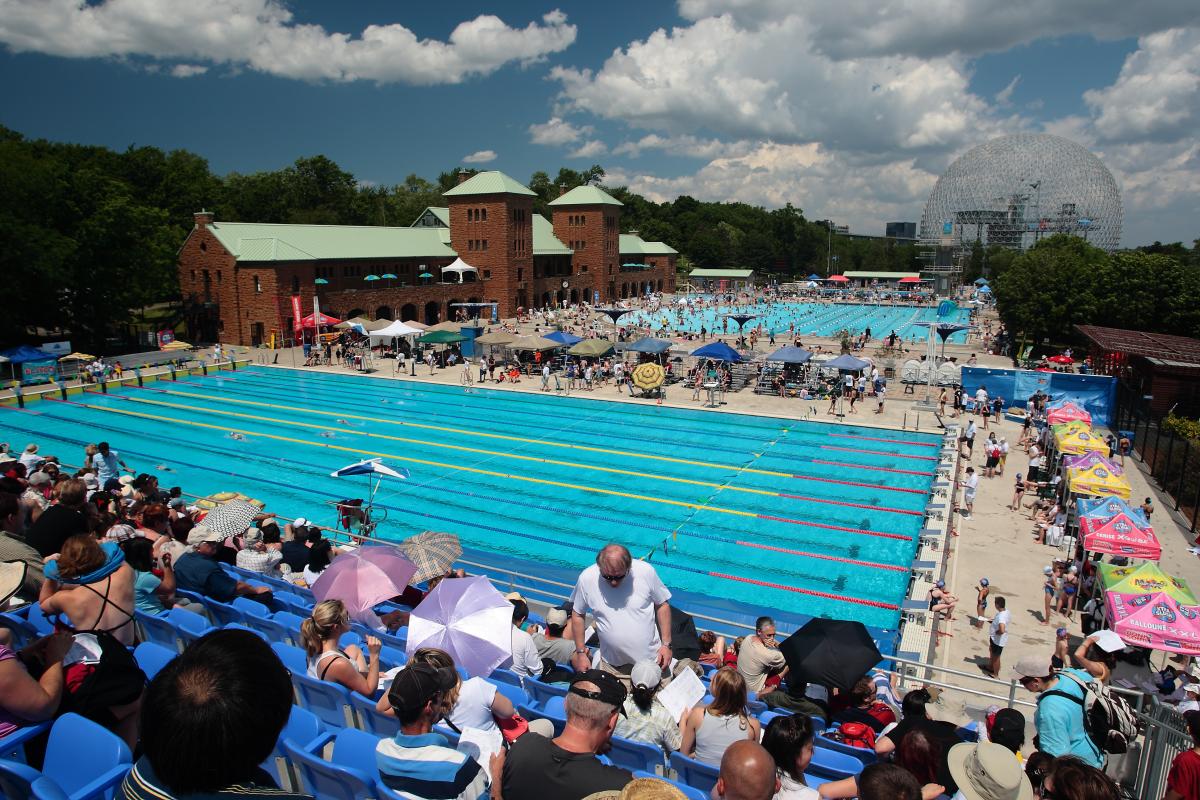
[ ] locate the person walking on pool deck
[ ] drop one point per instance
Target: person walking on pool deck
(629, 604)
(998, 636)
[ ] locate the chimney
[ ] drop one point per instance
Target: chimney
(465, 176)
(203, 218)
(562, 189)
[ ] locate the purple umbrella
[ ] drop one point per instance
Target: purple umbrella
(468, 619)
(365, 577)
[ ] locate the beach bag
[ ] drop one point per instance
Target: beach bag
(1107, 718)
(512, 728)
(855, 734)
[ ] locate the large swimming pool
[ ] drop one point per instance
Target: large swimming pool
(812, 319)
(808, 517)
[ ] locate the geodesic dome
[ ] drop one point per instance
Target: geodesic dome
(1015, 190)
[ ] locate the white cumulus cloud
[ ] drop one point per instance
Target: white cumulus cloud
(264, 36)
(480, 157)
(557, 131)
(589, 149)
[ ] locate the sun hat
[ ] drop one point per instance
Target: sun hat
(201, 534)
(12, 578)
(31, 448)
(120, 533)
(645, 673)
(91, 481)
(6, 457)
(988, 771)
(514, 596)
(39, 479)
(1034, 667)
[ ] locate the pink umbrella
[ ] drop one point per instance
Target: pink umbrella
(365, 577)
(1067, 412)
(468, 619)
(1157, 621)
(1090, 459)
(1120, 535)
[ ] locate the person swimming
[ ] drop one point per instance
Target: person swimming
(235, 435)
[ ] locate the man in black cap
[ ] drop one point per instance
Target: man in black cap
(566, 768)
(418, 763)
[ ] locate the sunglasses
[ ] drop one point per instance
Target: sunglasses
(614, 578)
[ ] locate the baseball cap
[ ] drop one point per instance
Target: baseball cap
(609, 689)
(556, 617)
(513, 596)
(1047, 570)
(39, 479)
(1033, 667)
(1008, 728)
(645, 673)
(299, 522)
(91, 481)
(201, 534)
(414, 685)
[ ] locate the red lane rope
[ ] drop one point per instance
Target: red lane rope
(829, 527)
(881, 439)
(852, 505)
(839, 559)
(877, 452)
(866, 466)
(861, 483)
(827, 595)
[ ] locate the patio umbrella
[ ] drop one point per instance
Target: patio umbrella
(830, 652)
(847, 363)
(178, 344)
(467, 618)
(495, 337)
(614, 314)
(791, 355)
(371, 278)
(532, 343)
(741, 319)
(981, 281)
(448, 325)
(648, 376)
(718, 351)
(593, 348)
(648, 344)
(390, 276)
(321, 282)
(562, 337)
(412, 323)
(232, 518)
(1158, 621)
(433, 552)
(365, 577)
(441, 337)
(1145, 578)
(372, 468)
(75, 357)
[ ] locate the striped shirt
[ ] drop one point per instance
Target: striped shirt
(422, 767)
(142, 784)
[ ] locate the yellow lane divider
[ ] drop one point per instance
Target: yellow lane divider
(462, 448)
(425, 462)
(484, 434)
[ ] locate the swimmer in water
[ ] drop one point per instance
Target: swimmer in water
(164, 468)
(327, 434)
(237, 436)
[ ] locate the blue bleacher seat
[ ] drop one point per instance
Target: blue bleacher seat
(85, 759)
(223, 613)
(189, 625)
(329, 701)
(370, 720)
(636, 755)
(290, 621)
(294, 658)
(689, 792)
(40, 622)
(765, 717)
(553, 711)
(158, 630)
(294, 603)
(23, 631)
(694, 773)
(19, 780)
(355, 749)
(542, 692)
(329, 781)
(507, 676)
(832, 765)
(302, 726)
(398, 640)
(273, 630)
(516, 695)
(12, 747)
(250, 608)
(238, 626)
(152, 658)
(867, 757)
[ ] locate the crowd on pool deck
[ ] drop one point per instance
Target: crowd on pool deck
(94, 544)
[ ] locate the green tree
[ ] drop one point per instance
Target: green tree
(1050, 288)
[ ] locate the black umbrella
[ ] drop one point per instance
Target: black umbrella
(830, 652)
(741, 319)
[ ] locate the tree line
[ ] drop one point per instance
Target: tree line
(89, 236)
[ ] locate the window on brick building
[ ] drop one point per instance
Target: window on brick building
(520, 273)
(204, 247)
(485, 215)
(487, 273)
(295, 284)
(218, 276)
(257, 285)
(485, 244)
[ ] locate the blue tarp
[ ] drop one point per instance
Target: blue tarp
(19, 355)
(718, 351)
(648, 344)
(790, 355)
(1095, 393)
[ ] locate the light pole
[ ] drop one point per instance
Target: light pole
(829, 248)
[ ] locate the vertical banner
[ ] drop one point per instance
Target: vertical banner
(165, 337)
(296, 313)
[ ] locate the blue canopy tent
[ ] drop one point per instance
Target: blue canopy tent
(847, 363)
(985, 289)
(791, 355)
(648, 344)
(981, 281)
(814, 277)
(37, 366)
(718, 351)
(562, 337)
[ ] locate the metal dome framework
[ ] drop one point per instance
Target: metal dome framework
(1014, 190)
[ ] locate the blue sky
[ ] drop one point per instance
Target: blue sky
(765, 101)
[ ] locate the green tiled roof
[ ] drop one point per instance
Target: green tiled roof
(586, 196)
(721, 273)
(250, 241)
(442, 215)
(635, 245)
(491, 182)
(545, 243)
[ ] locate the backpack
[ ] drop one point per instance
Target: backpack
(855, 734)
(1109, 721)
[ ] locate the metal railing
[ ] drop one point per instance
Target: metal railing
(1164, 736)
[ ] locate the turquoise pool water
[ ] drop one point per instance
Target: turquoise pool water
(813, 319)
(807, 517)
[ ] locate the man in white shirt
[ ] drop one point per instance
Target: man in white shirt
(970, 484)
(525, 659)
(30, 458)
(981, 399)
(628, 602)
(998, 635)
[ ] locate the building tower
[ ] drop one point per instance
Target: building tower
(588, 220)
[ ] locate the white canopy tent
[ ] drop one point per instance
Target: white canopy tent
(395, 330)
(460, 268)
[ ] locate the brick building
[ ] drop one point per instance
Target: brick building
(239, 279)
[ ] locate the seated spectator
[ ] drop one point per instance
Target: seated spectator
(255, 556)
(295, 550)
(921, 756)
(566, 768)
(1007, 728)
(25, 700)
(320, 555)
(555, 643)
(211, 717)
(747, 773)
(14, 548)
(885, 781)
(789, 740)
(198, 571)
(759, 658)
(1183, 781)
(794, 697)
(151, 595)
(327, 661)
(646, 719)
(1069, 778)
(861, 705)
(712, 649)
(709, 730)
(418, 763)
(60, 521)
(525, 659)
